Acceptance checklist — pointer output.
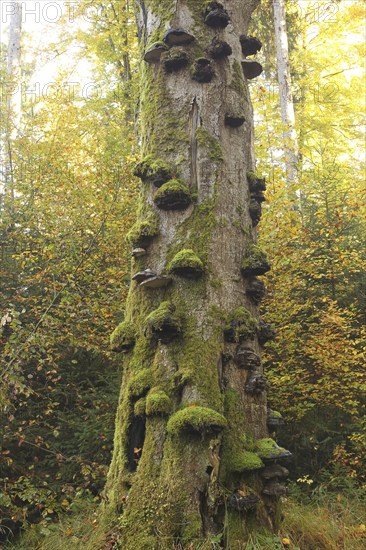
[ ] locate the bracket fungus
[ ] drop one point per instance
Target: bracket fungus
(266, 332)
(163, 323)
(143, 276)
(153, 170)
(202, 70)
(178, 37)
(274, 419)
(240, 326)
(123, 337)
(246, 358)
(275, 489)
(216, 15)
(159, 281)
(234, 120)
(196, 419)
(243, 503)
(255, 183)
(158, 403)
(186, 264)
(154, 52)
(138, 252)
(255, 211)
(139, 407)
(255, 262)
(274, 471)
(140, 383)
(219, 49)
(269, 451)
(251, 68)
(175, 60)
(244, 461)
(256, 384)
(143, 231)
(173, 195)
(250, 45)
(256, 290)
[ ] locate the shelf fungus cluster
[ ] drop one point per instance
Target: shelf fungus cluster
(257, 186)
(175, 51)
(163, 323)
(250, 45)
(274, 420)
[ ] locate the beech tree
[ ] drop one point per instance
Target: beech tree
(192, 460)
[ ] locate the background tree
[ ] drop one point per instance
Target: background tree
(316, 297)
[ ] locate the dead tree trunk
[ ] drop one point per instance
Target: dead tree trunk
(191, 440)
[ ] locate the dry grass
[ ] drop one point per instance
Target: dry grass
(333, 524)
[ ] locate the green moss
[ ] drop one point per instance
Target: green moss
(163, 127)
(238, 448)
(252, 178)
(267, 448)
(197, 419)
(255, 262)
(197, 356)
(144, 230)
(192, 530)
(162, 317)
(196, 231)
(123, 337)
(173, 195)
(172, 186)
(153, 170)
(185, 259)
(140, 407)
(244, 461)
(276, 414)
(255, 182)
(240, 325)
(140, 383)
(158, 403)
(236, 530)
(205, 139)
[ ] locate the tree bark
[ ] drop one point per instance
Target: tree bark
(191, 436)
(286, 99)
(13, 104)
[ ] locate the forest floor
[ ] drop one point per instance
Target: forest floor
(328, 522)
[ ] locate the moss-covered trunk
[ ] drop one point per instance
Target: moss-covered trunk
(191, 437)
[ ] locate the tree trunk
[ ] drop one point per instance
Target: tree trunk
(191, 437)
(286, 99)
(13, 107)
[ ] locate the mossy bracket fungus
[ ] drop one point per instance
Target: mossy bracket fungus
(196, 419)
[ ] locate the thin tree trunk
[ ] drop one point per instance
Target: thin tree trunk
(191, 438)
(13, 104)
(286, 99)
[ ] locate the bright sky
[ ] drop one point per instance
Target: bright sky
(42, 33)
